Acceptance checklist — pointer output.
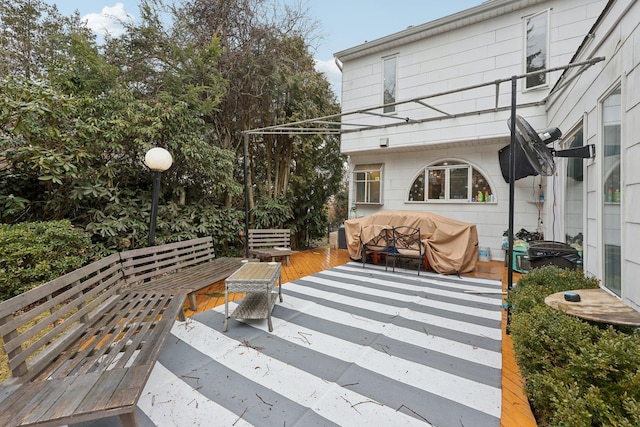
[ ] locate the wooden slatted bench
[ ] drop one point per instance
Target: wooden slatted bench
(270, 243)
(181, 267)
(81, 347)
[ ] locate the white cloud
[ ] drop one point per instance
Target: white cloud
(333, 74)
(108, 21)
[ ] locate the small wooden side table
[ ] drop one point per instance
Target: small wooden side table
(596, 305)
(258, 281)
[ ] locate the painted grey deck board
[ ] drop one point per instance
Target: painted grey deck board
(347, 349)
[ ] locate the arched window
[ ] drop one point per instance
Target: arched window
(450, 181)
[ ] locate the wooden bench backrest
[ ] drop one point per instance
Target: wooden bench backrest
(269, 238)
(144, 263)
(39, 324)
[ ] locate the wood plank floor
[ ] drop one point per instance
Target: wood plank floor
(515, 406)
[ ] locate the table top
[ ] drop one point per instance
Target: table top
(596, 305)
(257, 272)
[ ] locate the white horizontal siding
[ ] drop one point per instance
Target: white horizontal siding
(474, 54)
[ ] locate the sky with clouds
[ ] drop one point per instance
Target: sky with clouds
(342, 23)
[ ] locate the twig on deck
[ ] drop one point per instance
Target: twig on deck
(246, 343)
(262, 400)
(366, 401)
(350, 404)
(384, 348)
(240, 417)
(304, 338)
(193, 378)
(349, 385)
(417, 414)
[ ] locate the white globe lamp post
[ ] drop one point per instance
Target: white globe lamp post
(158, 160)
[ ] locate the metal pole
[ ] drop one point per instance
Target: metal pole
(246, 196)
(154, 208)
(512, 174)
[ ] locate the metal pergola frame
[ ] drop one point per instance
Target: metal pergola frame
(332, 125)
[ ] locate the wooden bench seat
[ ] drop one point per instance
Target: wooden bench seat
(180, 268)
(81, 347)
(270, 243)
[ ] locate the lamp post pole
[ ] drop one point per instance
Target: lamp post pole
(512, 174)
(158, 160)
(154, 208)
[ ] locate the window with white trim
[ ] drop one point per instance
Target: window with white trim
(367, 183)
(450, 181)
(610, 155)
(536, 48)
(390, 76)
(574, 190)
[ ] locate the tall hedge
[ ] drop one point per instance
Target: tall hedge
(35, 252)
(577, 373)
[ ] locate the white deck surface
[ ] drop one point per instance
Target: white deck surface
(350, 347)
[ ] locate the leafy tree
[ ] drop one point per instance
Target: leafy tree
(271, 79)
(34, 38)
(77, 118)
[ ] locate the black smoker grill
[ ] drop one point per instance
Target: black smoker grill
(545, 252)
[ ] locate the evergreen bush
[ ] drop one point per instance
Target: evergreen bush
(577, 373)
(33, 253)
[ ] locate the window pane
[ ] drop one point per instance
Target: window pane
(436, 184)
(389, 89)
(416, 193)
(374, 192)
(481, 189)
(611, 119)
(360, 191)
(574, 199)
(459, 179)
(536, 49)
(450, 163)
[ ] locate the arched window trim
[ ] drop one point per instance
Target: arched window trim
(437, 165)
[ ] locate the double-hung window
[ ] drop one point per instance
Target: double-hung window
(536, 48)
(367, 181)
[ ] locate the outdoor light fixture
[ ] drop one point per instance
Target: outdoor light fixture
(354, 211)
(158, 160)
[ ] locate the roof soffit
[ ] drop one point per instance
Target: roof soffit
(487, 10)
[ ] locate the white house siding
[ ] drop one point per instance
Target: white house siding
(401, 168)
(617, 38)
(476, 46)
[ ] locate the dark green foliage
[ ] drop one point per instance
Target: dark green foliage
(76, 119)
(577, 373)
(34, 253)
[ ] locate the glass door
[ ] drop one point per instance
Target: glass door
(612, 191)
(574, 196)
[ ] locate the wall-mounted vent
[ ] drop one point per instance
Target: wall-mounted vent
(384, 142)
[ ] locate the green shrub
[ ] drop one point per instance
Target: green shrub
(36, 252)
(577, 373)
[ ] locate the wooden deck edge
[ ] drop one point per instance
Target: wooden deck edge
(516, 410)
